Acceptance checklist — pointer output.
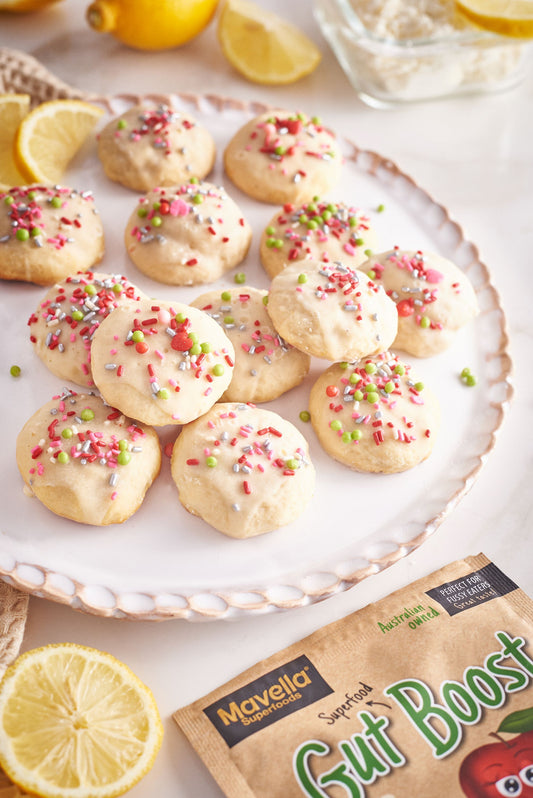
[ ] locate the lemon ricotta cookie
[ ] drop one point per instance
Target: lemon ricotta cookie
(86, 461)
(64, 323)
(244, 470)
(48, 232)
(317, 230)
(331, 311)
(374, 415)
(433, 297)
(155, 145)
(187, 234)
(161, 362)
(266, 366)
(283, 157)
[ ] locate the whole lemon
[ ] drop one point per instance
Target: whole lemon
(146, 25)
(22, 6)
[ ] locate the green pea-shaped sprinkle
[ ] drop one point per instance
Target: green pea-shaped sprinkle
(293, 463)
(142, 211)
(121, 124)
(303, 218)
(124, 458)
(229, 320)
(195, 349)
(270, 242)
(279, 150)
(302, 278)
(380, 208)
(370, 388)
(465, 372)
(372, 398)
(368, 253)
(225, 296)
(240, 278)
(399, 369)
(156, 205)
(197, 199)
(123, 445)
(278, 243)
(265, 300)
(194, 180)
(194, 337)
(137, 336)
(359, 241)
(305, 415)
(470, 380)
(344, 365)
(117, 288)
(90, 289)
(335, 425)
(180, 317)
(63, 458)
(370, 368)
(270, 230)
(425, 322)
(312, 224)
(56, 202)
(35, 231)
(87, 414)
(354, 378)
(218, 370)
(326, 215)
(163, 393)
(15, 371)
(211, 461)
(346, 437)
(156, 221)
(352, 221)
(67, 433)
(311, 207)
(371, 274)
(9, 200)
(32, 195)
(331, 208)
(22, 234)
(206, 347)
(358, 396)
(315, 120)
(389, 386)
(77, 315)
(356, 435)
(419, 386)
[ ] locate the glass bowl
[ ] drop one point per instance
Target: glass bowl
(452, 59)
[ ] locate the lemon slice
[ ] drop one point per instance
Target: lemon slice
(13, 109)
(76, 723)
(50, 136)
(264, 47)
(507, 17)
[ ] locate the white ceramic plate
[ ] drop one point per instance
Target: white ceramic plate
(163, 562)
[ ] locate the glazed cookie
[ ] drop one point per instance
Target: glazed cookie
(47, 233)
(331, 311)
(318, 230)
(155, 145)
(244, 470)
(265, 365)
(433, 297)
(63, 326)
(86, 461)
(160, 362)
(283, 157)
(374, 415)
(187, 234)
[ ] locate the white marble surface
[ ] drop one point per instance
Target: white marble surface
(475, 156)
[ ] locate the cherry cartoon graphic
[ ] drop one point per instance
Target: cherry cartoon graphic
(499, 769)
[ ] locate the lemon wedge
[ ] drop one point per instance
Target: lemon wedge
(13, 109)
(264, 47)
(50, 136)
(76, 723)
(507, 17)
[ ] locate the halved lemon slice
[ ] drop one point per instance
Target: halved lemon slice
(51, 135)
(13, 109)
(507, 17)
(264, 47)
(76, 723)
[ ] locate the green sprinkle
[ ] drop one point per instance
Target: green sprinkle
(331, 208)
(356, 435)
(123, 445)
(121, 124)
(35, 231)
(270, 230)
(195, 349)
(368, 253)
(197, 199)
(63, 457)
(316, 198)
(240, 278)
(22, 234)
(315, 120)
(124, 458)
(370, 388)
(359, 241)
(270, 242)
(194, 337)
(156, 221)
(370, 368)
(305, 415)
(352, 221)
(344, 365)
(419, 386)
(278, 244)
(211, 461)
(371, 274)
(67, 433)
(56, 202)
(303, 218)
(292, 463)
(326, 215)
(465, 372)
(156, 206)
(77, 315)
(32, 195)
(399, 369)
(302, 278)
(206, 347)
(470, 380)
(335, 425)
(425, 322)
(194, 180)
(380, 208)
(90, 289)
(279, 150)
(312, 224)
(87, 414)
(15, 371)
(265, 300)
(225, 296)
(229, 320)
(218, 370)
(180, 317)
(142, 211)
(372, 398)
(117, 288)
(389, 386)
(311, 207)
(358, 396)
(354, 378)
(9, 200)
(137, 336)
(346, 437)
(163, 393)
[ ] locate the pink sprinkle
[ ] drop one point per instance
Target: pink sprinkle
(113, 351)
(433, 276)
(164, 316)
(84, 368)
(159, 354)
(349, 249)
(179, 208)
(211, 424)
(114, 495)
(40, 469)
(207, 451)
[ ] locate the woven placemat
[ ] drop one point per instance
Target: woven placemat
(13, 612)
